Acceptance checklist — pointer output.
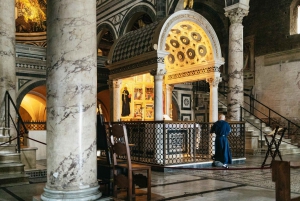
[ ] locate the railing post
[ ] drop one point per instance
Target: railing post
(269, 117)
(289, 128)
(18, 135)
(261, 141)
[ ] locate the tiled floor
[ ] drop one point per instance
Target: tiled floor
(240, 182)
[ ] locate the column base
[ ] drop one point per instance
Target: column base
(78, 195)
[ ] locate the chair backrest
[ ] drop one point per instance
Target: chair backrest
(120, 146)
(102, 142)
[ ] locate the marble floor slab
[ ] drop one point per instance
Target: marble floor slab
(211, 184)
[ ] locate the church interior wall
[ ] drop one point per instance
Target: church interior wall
(269, 22)
(278, 86)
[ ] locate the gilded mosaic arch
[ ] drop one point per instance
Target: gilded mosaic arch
(198, 19)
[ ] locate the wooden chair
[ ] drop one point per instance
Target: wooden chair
(104, 164)
(121, 159)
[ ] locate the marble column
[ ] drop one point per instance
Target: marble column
(71, 101)
(168, 98)
(7, 59)
(158, 93)
(235, 96)
(213, 98)
(115, 99)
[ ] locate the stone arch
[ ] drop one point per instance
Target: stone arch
(27, 88)
(294, 17)
(134, 13)
(102, 28)
(187, 15)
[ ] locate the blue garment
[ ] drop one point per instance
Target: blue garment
(222, 150)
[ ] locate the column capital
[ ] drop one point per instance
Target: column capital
(160, 72)
(114, 83)
(214, 81)
(169, 87)
(236, 14)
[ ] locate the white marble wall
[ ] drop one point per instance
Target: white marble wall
(71, 101)
(235, 96)
(7, 56)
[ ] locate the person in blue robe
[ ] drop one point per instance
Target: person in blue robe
(222, 150)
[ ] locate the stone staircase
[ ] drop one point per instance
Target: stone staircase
(11, 169)
(255, 141)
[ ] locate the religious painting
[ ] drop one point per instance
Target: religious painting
(149, 93)
(185, 117)
(149, 111)
(126, 99)
(186, 101)
(138, 111)
(138, 93)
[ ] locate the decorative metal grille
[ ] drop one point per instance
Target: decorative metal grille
(170, 142)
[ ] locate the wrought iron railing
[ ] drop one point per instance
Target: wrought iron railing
(18, 123)
(267, 116)
(271, 117)
(172, 142)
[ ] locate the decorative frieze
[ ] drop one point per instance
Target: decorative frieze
(194, 72)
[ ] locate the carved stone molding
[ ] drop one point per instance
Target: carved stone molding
(214, 81)
(236, 15)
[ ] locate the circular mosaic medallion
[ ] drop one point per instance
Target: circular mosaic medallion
(180, 56)
(196, 36)
(190, 53)
(185, 40)
(186, 26)
(174, 43)
(186, 102)
(171, 58)
(202, 50)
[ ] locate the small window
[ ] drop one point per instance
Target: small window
(295, 17)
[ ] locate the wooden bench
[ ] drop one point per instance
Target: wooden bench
(281, 175)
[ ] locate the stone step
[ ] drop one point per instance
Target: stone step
(10, 158)
(13, 179)
(11, 168)
(4, 131)
(4, 138)
(8, 148)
